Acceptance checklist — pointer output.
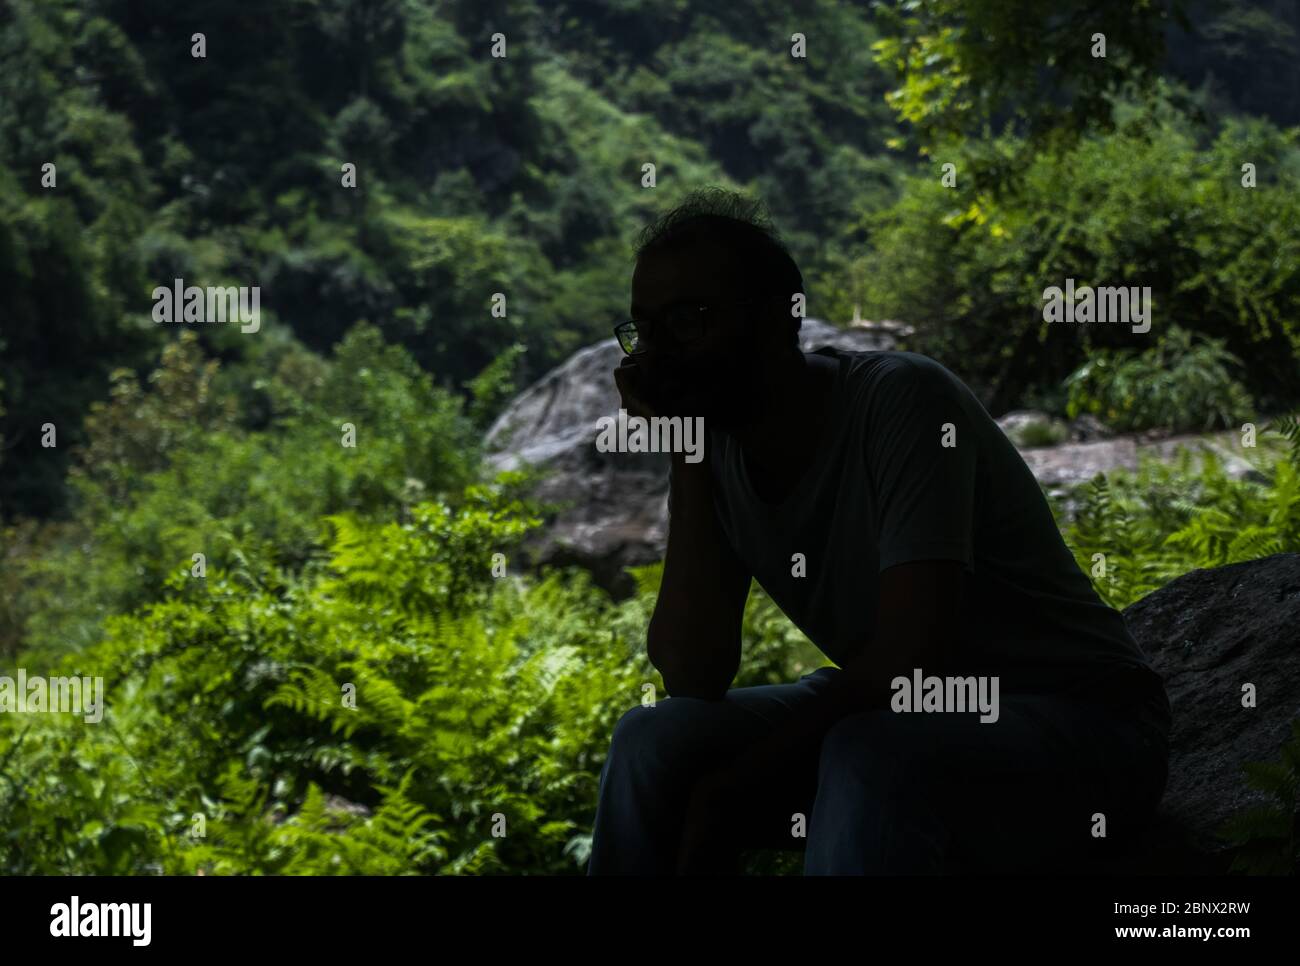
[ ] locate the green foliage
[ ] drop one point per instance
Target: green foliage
(1169, 518)
(336, 572)
(1183, 383)
(475, 175)
(493, 388)
(324, 837)
(1289, 427)
(170, 471)
(474, 696)
(1150, 205)
(478, 699)
(1042, 434)
(69, 269)
(963, 64)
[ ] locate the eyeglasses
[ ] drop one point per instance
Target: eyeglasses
(683, 322)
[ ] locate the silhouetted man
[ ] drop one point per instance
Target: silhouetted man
(884, 511)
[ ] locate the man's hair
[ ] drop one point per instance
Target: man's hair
(739, 225)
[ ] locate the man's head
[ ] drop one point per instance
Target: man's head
(718, 251)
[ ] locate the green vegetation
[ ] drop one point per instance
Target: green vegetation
(1170, 518)
(474, 695)
(1040, 434)
(1183, 383)
(1145, 206)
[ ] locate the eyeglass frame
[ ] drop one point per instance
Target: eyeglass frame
(699, 304)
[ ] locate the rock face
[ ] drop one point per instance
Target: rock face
(1208, 633)
(613, 507)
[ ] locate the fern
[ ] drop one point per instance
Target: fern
(1288, 427)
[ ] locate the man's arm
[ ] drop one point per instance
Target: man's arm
(916, 627)
(694, 635)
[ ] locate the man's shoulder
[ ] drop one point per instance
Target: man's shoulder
(871, 374)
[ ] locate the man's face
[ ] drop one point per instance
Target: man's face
(717, 375)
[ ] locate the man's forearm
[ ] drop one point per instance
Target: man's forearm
(703, 662)
(916, 626)
(862, 684)
(853, 689)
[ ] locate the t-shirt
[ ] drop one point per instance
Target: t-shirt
(884, 489)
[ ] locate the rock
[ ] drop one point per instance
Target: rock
(888, 327)
(1209, 632)
(340, 805)
(1070, 464)
(1087, 427)
(336, 804)
(1225, 445)
(612, 507)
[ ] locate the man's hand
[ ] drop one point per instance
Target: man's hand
(630, 379)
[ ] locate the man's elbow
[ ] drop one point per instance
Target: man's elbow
(691, 688)
(683, 680)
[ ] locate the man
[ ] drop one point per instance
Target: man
(881, 508)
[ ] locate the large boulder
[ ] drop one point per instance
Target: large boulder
(1209, 633)
(612, 508)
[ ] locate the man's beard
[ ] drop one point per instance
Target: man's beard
(725, 395)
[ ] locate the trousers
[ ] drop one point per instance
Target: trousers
(888, 792)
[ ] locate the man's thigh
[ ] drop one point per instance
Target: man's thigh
(659, 752)
(690, 733)
(1005, 795)
(1097, 779)
(681, 739)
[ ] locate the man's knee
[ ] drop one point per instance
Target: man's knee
(660, 734)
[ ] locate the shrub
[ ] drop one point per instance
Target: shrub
(1148, 206)
(1183, 383)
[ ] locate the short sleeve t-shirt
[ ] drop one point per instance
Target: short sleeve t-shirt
(911, 467)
